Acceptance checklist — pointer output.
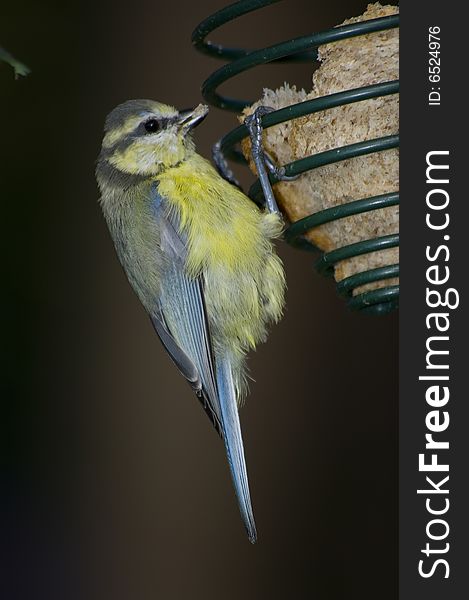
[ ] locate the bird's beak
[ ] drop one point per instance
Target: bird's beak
(188, 119)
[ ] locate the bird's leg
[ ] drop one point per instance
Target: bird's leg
(262, 159)
(254, 125)
(222, 166)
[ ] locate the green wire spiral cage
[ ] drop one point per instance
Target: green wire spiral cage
(376, 301)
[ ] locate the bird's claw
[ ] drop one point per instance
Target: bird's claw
(276, 171)
(263, 161)
(222, 166)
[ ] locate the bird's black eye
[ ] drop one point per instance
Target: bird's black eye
(152, 125)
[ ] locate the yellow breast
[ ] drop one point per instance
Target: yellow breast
(222, 224)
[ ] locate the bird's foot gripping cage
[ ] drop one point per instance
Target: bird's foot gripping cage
(376, 301)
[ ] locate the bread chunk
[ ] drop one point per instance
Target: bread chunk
(348, 64)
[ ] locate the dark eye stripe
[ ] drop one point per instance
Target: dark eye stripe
(122, 144)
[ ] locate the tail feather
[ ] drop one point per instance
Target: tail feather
(234, 443)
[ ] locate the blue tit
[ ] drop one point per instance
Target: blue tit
(199, 255)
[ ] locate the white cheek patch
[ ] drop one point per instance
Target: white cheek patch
(166, 148)
(147, 159)
(149, 153)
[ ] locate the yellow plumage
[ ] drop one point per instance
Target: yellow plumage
(199, 255)
(229, 241)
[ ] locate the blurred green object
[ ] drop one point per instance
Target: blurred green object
(19, 68)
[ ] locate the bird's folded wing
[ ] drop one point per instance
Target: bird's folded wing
(182, 324)
(193, 361)
(181, 321)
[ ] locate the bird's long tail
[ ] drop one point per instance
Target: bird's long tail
(234, 443)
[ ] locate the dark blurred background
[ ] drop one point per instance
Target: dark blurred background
(113, 483)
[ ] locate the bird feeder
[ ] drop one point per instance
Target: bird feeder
(343, 198)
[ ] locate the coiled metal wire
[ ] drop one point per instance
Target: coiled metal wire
(376, 301)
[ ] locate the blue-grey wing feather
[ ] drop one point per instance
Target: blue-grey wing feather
(180, 318)
(182, 324)
(186, 367)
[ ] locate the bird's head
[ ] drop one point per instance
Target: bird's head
(143, 137)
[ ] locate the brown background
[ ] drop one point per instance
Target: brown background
(114, 485)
